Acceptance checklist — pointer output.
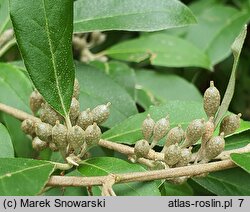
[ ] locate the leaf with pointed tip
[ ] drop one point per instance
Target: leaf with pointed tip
(30, 175)
(236, 49)
(6, 150)
(43, 30)
(162, 50)
(131, 15)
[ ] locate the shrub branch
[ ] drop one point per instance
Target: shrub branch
(108, 181)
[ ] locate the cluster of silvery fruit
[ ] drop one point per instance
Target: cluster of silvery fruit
(178, 143)
(51, 131)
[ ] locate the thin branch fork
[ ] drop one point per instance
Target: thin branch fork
(109, 180)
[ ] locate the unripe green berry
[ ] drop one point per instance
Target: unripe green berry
(230, 124)
(194, 132)
(160, 130)
(214, 147)
(175, 136)
(85, 119)
(36, 101)
(76, 137)
(185, 157)
(76, 92)
(92, 135)
(49, 115)
(101, 113)
(172, 154)
(28, 127)
(38, 144)
(141, 148)
(44, 131)
(59, 135)
(148, 127)
(74, 110)
(211, 101)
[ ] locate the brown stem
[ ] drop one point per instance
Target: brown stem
(107, 189)
(17, 113)
(192, 170)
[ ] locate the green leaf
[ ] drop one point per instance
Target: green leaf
(15, 87)
(170, 189)
(145, 98)
(43, 30)
(15, 91)
(140, 15)
(106, 165)
(236, 49)
(23, 177)
(232, 182)
(129, 130)
(242, 160)
(160, 49)
(6, 150)
(97, 88)
(120, 73)
(21, 142)
(237, 140)
(166, 87)
(4, 15)
(216, 30)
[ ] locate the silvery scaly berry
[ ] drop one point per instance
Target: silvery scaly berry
(28, 127)
(44, 131)
(211, 100)
(101, 113)
(214, 147)
(172, 154)
(76, 92)
(230, 124)
(194, 132)
(160, 130)
(209, 130)
(92, 135)
(76, 136)
(74, 110)
(85, 119)
(141, 148)
(148, 127)
(38, 144)
(36, 101)
(174, 136)
(185, 157)
(59, 136)
(49, 115)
